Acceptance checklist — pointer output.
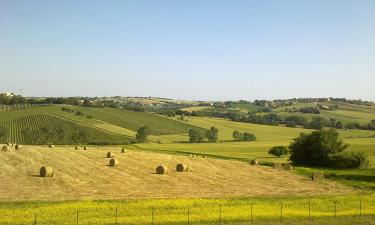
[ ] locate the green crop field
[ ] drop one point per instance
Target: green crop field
(131, 120)
(28, 130)
(334, 210)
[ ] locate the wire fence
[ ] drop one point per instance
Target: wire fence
(267, 212)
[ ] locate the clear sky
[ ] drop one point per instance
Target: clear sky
(193, 49)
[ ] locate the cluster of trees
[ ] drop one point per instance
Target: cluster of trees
(323, 148)
(313, 110)
(246, 136)
(196, 135)
(12, 100)
(278, 151)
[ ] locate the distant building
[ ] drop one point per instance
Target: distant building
(8, 94)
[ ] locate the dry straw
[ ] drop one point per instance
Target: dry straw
(287, 166)
(6, 148)
(181, 167)
(161, 169)
(46, 171)
(277, 166)
(110, 155)
(316, 176)
(114, 162)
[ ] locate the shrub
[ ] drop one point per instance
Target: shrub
(324, 148)
(278, 151)
(349, 160)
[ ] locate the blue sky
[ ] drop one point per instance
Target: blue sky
(208, 50)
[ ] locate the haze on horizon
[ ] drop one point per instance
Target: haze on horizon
(202, 50)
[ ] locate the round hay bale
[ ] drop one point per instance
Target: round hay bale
(194, 156)
(114, 162)
(287, 166)
(77, 148)
(123, 150)
(43, 145)
(254, 162)
(204, 157)
(110, 155)
(5, 148)
(9, 144)
(190, 155)
(317, 176)
(181, 167)
(46, 171)
(85, 148)
(51, 146)
(277, 166)
(17, 146)
(161, 169)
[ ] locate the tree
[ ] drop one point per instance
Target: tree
(3, 133)
(82, 136)
(236, 135)
(195, 136)
(278, 151)
(142, 134)
(315, 149)
(248, 136)
(212, 134)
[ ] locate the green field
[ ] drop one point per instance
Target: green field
(334, 210)
(131, 120)
(28, 130)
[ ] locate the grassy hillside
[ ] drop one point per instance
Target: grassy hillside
(131, 120)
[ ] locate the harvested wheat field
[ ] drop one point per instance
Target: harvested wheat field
(87, 175)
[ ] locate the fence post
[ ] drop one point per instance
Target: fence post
(281, 211)
(360, 207)
(116, 216)
(335, 209)
(152, 215)
(220, 216)
(188, 214)
(77, 216)
(251, 213)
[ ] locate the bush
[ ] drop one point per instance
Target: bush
(278, 151)
(349, 160)
(324, 148)
(248, 137)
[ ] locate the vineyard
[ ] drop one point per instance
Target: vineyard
(49, 129)
(20, 106)
(131, 120)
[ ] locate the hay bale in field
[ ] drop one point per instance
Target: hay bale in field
(190, 155)
(110, 155)
(161, 169)
(254, 162)
(194, 156)
(9, 144)
(76, 148)
(277, 166)
(43, 145)
(123, 150)
(6, 148)
(287, 166)
(204, 157)
(46, 171)
(317, 176)
(114, 162)
(181, 167)
(51, 146)
(17, 146)
(85, 148)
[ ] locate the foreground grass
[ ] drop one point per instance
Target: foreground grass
(350, 209)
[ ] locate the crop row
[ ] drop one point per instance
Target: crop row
(20, 106)
(48, 129)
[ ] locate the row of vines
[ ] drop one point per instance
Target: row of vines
(49, 129)
(20, 106)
